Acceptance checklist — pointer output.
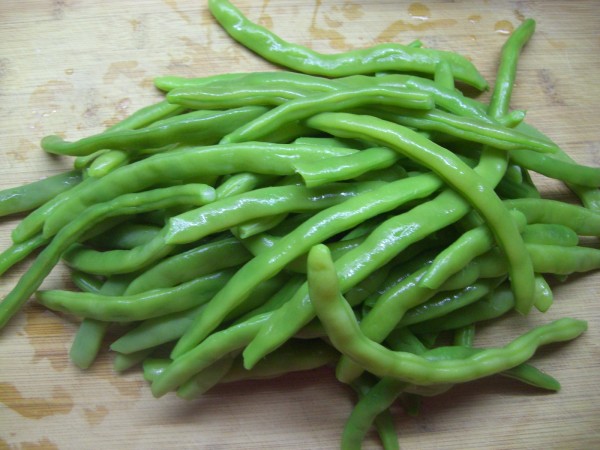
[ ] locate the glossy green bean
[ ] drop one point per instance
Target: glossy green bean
(198, 261)
(457, 255)
(18, 252)
(195, 128)
(319, 227)
(90, 334)
(330, 170)
(583, 221)
(558, 169)
(454, 172)
(30, 196)
(298, 109)
(188, 164)
(380, 58)
(128, 308)
(264, 202)
(123, 205)
(345, 335)
(211, 349)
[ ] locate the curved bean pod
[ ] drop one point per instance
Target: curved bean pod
(340, 323)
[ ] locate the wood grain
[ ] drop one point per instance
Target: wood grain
(75, 66)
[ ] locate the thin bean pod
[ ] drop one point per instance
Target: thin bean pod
(380, 58)
(345, 335)
(124, 205)
(30, 196)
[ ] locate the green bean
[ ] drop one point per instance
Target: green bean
(302, 108)
(196, 128)
(470, 129)
(122, 362)
(508, 189)
(558, 169)
(169, 327)
(170, 82)
(374, 402)
(124, 205)
(296, 355)
(529, 374)
(208, 378)
(182, 267)
(89, 336)
(492, 305)
(275, 88)
(260, 225)
(156, 331)
(319, 227)
(188, 164)
(583, 221)
(86, 343)
(464, 336)
(389, 239)
(524, 372)
(18, 252)
(550, 234)
(543, 294)
(128, 308)
(30, 196)
(231, 211)
(125, 236)
(340, 323)
(342, 168)
(457, 175)
(444, 303)
(590, 197)
(276, 300)
(443, 75)
(113, 262)
(390, 311)
(505, 76)
(153, 367)
(86, 282)
(218, 344)
(457, 255)
(384, 422)
(34, 222)
(147, 116)
(560, 260)
(493, 162)
(380, 58)
(107, 162)
(240, 183)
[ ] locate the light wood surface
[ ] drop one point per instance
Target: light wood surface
(73, 67)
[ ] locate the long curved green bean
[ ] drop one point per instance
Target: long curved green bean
(186, 164)
(129, 308)
(195, 128)
(454, 172)
(340, 323)
(316, 229)
(124, 205)
(380, 58)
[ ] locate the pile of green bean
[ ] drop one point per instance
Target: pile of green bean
(356, 210)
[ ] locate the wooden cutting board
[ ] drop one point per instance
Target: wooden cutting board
(75, 66)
